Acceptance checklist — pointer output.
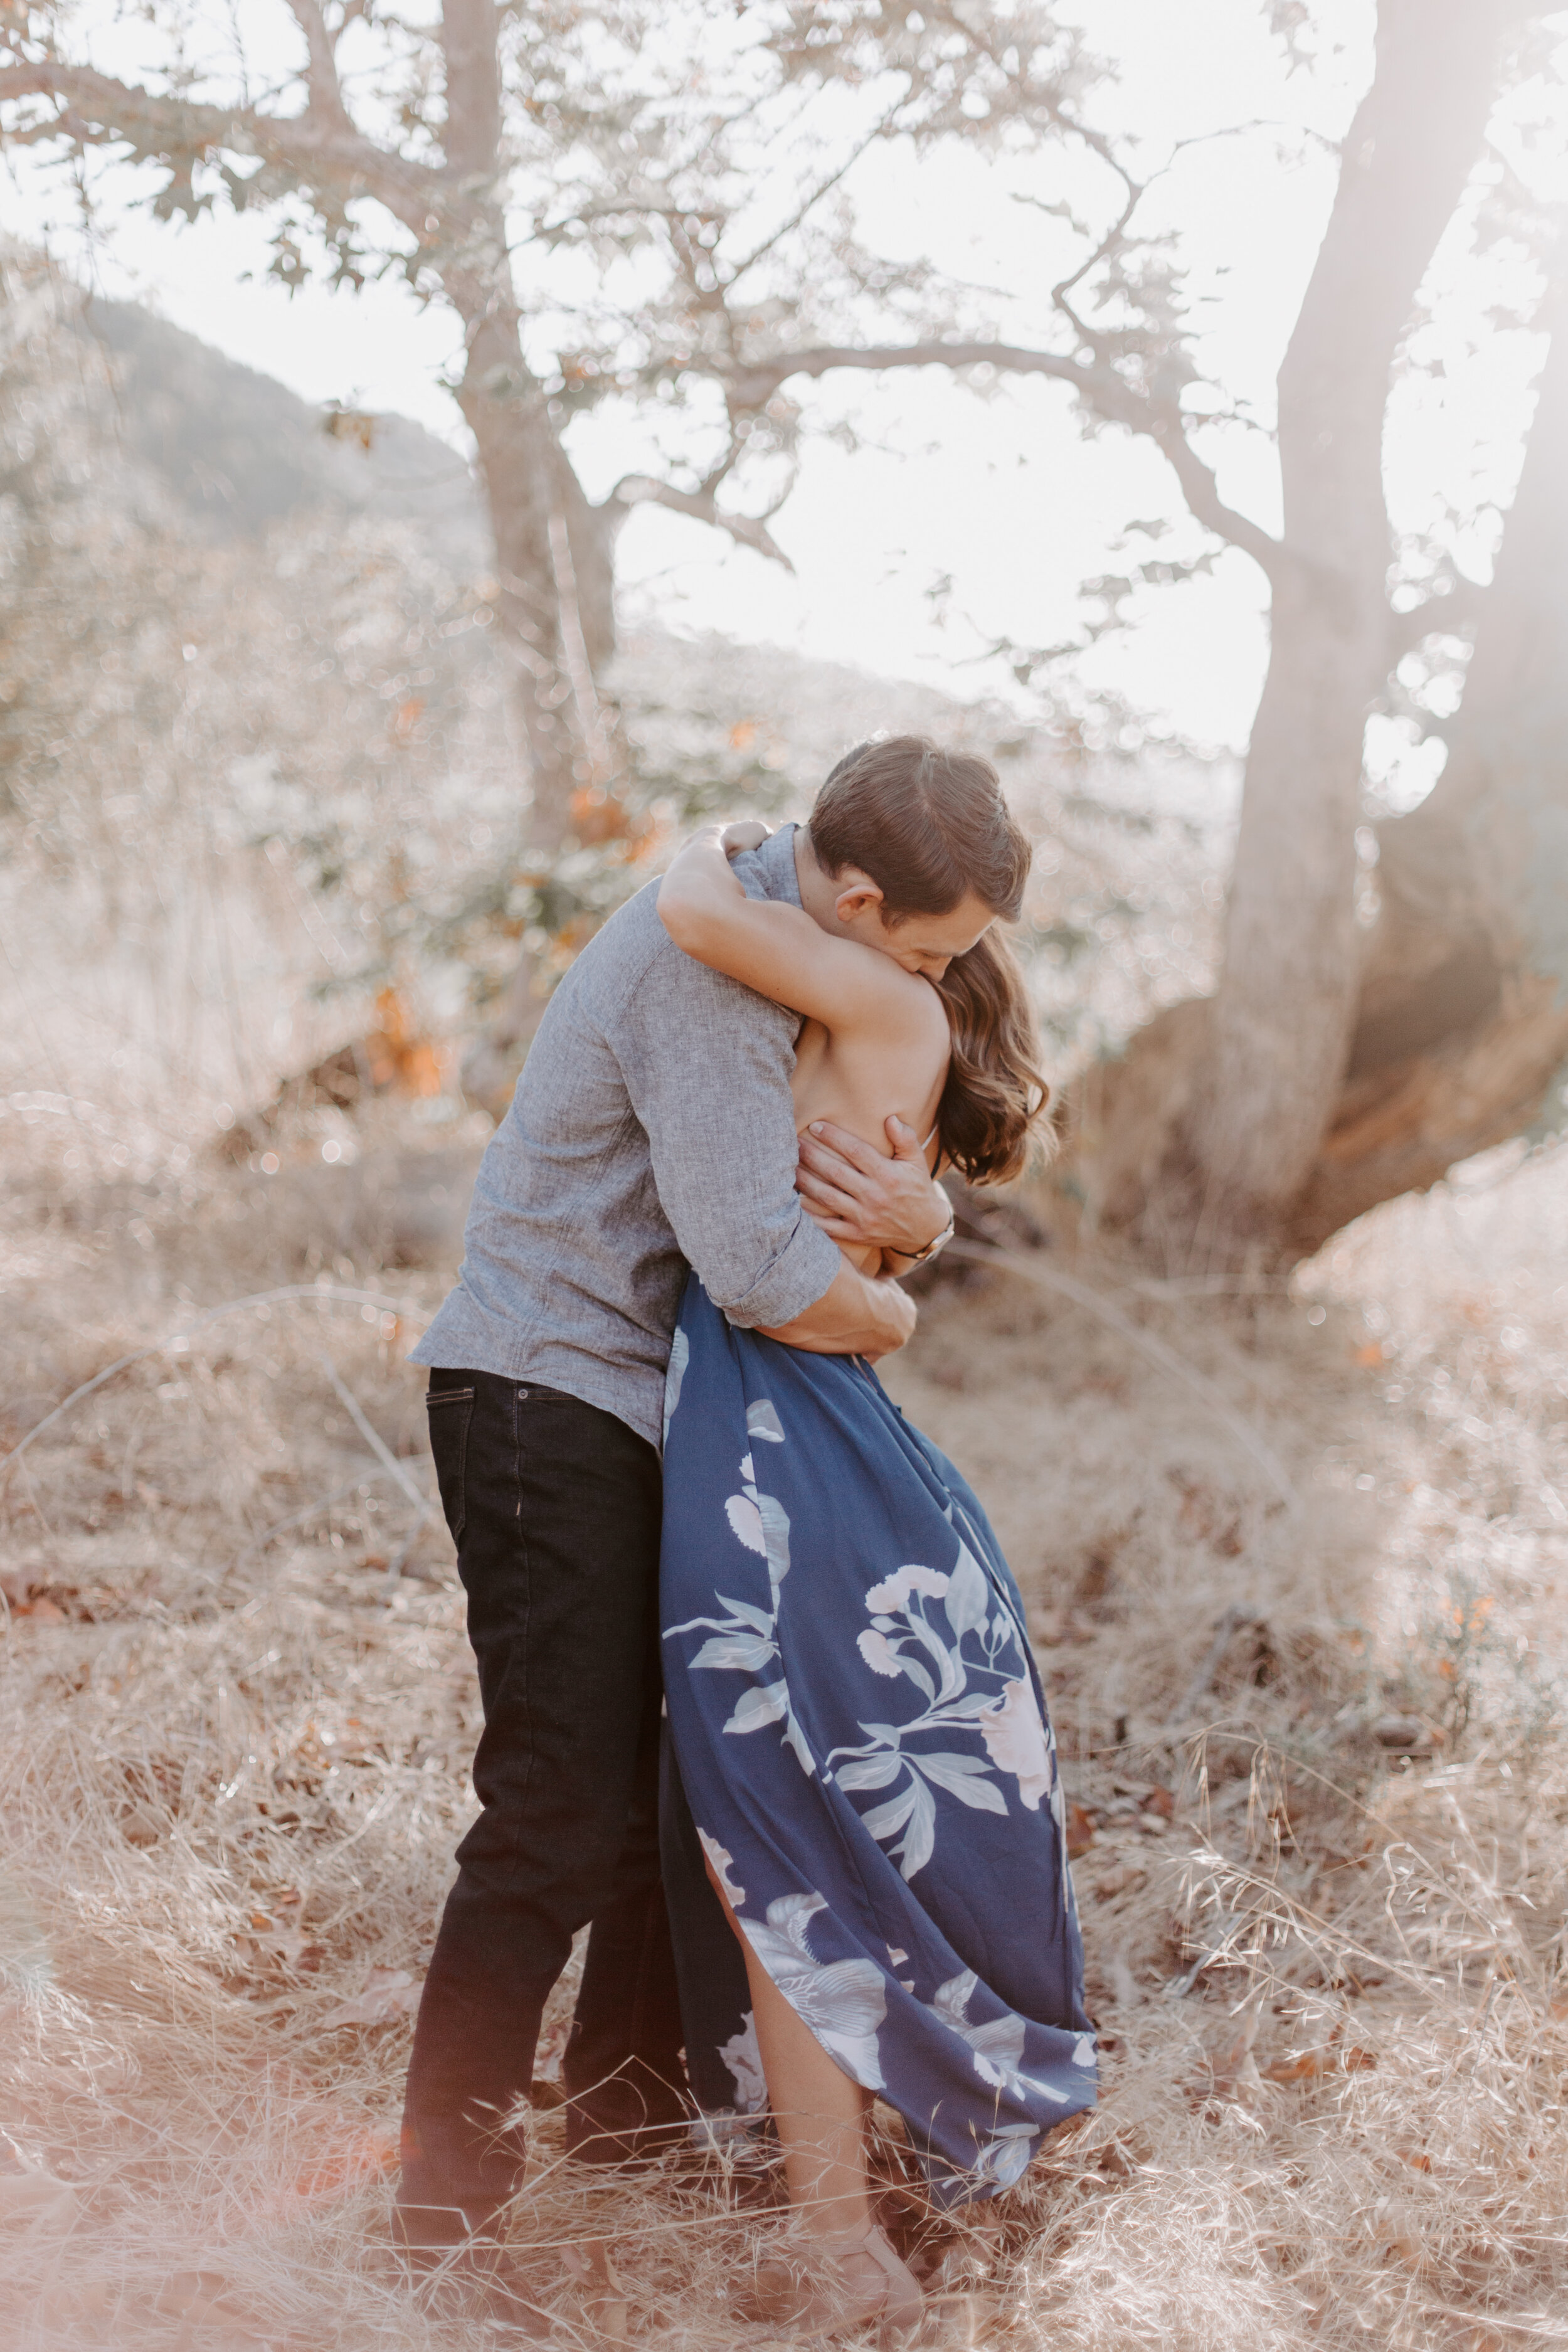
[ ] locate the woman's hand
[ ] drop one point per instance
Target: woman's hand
(746, 833)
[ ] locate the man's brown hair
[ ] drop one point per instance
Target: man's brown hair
(926, 824)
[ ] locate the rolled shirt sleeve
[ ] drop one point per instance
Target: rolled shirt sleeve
(719, 1122)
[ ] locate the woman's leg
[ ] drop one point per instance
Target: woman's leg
(818, 2113)
(820, 2117)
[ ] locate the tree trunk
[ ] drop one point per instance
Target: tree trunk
(1461, 1038)
(1286, 1004)
(553, 550)
(1463, 1031)
(1214, 1126)
(556, 606)
(556, 602)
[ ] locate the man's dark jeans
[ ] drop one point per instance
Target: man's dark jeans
(554, 1507)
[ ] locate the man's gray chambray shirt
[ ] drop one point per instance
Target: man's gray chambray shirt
(652, 1127)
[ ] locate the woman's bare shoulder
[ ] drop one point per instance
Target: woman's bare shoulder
(897, 1041)
(908, 999)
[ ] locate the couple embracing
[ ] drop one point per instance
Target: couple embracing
(758, 1698)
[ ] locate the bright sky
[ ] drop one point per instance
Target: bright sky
(1002, 498)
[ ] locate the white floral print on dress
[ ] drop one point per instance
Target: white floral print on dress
(719, 1860)
(1014, 1737)
(842, 2002)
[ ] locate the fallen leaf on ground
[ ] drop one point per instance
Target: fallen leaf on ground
(1080, 1831)
(1408, 1734)
(286, 1948)
(389, 1993)
(140, 1826)
(1117, 1882)
(1304, 2068)
(1307, 2065)
(33, 2198)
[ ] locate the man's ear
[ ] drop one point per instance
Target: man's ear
(854, 892)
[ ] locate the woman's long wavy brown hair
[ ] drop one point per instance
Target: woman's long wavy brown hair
(993, 1104)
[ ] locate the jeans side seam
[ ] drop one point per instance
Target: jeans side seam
(525, 1565)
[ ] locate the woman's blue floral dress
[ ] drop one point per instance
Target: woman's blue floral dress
(862, 1738)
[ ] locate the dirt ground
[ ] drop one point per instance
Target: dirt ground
(1295, 1566)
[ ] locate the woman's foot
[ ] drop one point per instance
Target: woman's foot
(825, 2285)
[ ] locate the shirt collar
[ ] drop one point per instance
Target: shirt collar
(773, 866)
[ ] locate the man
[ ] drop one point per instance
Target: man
(652, 1127)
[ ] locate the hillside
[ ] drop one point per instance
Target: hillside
(237, 451)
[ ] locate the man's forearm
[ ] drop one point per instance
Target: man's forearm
(857, 1314)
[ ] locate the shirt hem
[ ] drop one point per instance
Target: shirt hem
(552, 1367)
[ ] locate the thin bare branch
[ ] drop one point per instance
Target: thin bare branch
(643, 490)
(1063, 288)
(1201, 492)
(373, 1437)
(1099, 387)
(808, 203)
(402, 1307)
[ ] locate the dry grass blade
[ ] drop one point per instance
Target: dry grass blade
(373, 1439)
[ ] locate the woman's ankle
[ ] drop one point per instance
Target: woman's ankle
(833, 2217)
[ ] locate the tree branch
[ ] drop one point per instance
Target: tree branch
(307, 149)
(747, 531)
(326, 94)
(472, 136)
(1100, 388)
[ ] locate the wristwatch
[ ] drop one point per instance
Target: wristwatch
(937, 1242)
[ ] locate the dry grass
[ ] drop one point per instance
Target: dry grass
(1328, 1975)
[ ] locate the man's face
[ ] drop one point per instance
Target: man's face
(921, 943)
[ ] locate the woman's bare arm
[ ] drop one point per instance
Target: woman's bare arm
(778, 949)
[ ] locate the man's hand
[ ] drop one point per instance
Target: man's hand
(745, 833)
(858, 1196)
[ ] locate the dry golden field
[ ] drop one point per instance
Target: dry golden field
(1313, 1716)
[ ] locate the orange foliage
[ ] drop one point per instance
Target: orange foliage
(599, 816)
(399, 1057)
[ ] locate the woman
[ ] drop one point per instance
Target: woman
(855, 1714)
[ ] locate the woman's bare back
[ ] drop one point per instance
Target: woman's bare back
(860, 1078)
